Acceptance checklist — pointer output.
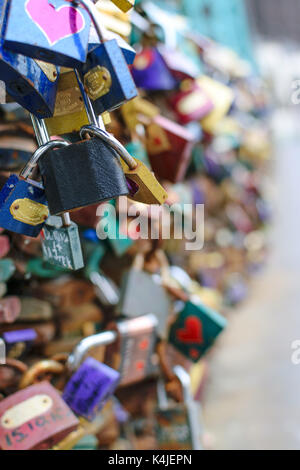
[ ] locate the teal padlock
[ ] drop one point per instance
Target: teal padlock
(61, 243)
(195, 329)
(7, 269)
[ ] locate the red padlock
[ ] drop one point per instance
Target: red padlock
(35, 418)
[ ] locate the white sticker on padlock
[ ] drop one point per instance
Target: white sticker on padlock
(25, 411)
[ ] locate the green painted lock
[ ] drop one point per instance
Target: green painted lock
(7, 269)
(195, 329)
(41, 268)
(61, 243)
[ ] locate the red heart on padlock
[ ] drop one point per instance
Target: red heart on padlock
(192, 331)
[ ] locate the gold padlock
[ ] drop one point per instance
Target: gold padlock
(146, 188)
(124, 5)
(69, 112)
(132, 110)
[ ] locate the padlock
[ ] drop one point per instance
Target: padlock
(40, 268)
(23, 204)
(106, 76)
(69, 113)
(130, 348)
(178, 425)
(90, 387)
(64, 170)
(145, 187)
(169, 147)
(61, 243)
(133, 353)
(31, 83)
(190, 103)
(195, 329)
(151, 298)
(19, 342)
(34, 418)
(10, 309)
(150, 71)
(124, 5)
(50, 30)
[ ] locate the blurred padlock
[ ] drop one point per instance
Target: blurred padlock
(34, 418)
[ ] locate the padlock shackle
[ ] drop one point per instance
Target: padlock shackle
(185, 381)
(32, 162)
(90, 7)
(101, 339)
(110, 140)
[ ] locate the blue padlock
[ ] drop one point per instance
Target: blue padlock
(52, 30)
(106, 77)
(30, 83)
(23, 203)
(23, 207)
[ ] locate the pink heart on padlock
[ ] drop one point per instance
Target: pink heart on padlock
(55, 24)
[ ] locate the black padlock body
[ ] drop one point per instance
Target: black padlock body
(81, 174)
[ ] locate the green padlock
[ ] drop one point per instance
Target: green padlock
(195, 329)
(61, 243)
(41, 268)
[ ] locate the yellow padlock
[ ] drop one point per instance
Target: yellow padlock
(69, 112)
(145, 187)
(124, 5)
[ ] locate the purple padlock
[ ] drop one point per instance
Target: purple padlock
(19, 342)
(150, 71)
(90, 387)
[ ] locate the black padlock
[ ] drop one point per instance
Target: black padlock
(81, 174)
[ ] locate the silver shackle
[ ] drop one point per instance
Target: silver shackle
(101, 339)
(111, 141)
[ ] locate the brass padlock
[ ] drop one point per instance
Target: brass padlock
(149, 191)
(69, 112)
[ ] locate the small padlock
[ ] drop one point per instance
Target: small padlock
(190, 103)
(61, 243)
(151, 297)
(34, 418)
(195, 329)
(91, 162)
(145, 187)
(7, 269)
(133, 353)
(150, 71)
(23, 205)
(19, 342)
(31, 83)
(106, 77)
(105, 73)
(169, 147)
(90, 387)
(124, 5)
(178, 425)
(51, 30)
